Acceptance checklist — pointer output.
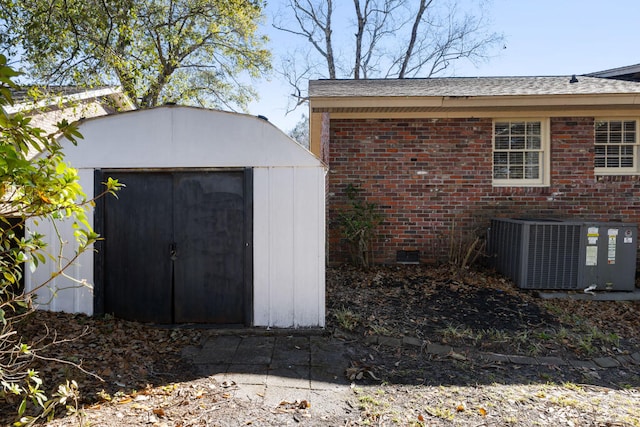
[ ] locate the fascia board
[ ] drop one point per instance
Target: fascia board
(475, 102)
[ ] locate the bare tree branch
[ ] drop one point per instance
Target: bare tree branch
(388, 38)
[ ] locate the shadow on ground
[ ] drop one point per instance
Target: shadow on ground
(388, 328)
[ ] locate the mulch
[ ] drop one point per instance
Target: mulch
(144, 381)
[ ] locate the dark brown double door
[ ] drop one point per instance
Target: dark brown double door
(176, 248)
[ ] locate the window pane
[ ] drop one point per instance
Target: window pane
(613, 162)
(602, 137)
(630, 126)
(602, 127)
(517, 128)
(531, 172)
(502, 128)
(615, 137)
(501, 158)
(533, 142)
(517, 143)
(516, 158)
(502, 142)
(500, 165)
(629, 138)
(500, 172)
(533, 128)
(532, 158)
(516, 172)
(615, 126)
(626, 162)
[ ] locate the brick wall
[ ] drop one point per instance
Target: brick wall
(432, 179)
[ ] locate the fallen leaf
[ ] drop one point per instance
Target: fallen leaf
(159, 412)
(304, 404)
(460, 408)
(482, 412)
(420, 418)
(125, 400)
(140, 406)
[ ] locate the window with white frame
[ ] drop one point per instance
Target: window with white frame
(520, 152)
(616, 146)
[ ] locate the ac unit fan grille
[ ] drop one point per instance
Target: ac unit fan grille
(553, 256)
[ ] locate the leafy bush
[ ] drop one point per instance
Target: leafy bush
(35, 183)
(358, 224)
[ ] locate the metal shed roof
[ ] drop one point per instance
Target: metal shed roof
(177, 136)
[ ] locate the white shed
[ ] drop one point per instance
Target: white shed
(222, 221)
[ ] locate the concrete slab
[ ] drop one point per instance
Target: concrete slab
(217, 350)
(215, 370)
(552, 361)
(276, 396)
(247, 374)
(254, 350)
(290, 351)
(271, 369)
(583, 364)
(251, 392)
(327, 377)
(596, 296)
(437, 349)
(293, 376)
(523, 360)
(331, 401)
(494, 357)
(606, 362)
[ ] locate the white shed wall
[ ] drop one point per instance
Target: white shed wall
(288, 205)
(289, 250)
(61, 293)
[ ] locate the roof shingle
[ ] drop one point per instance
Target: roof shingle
(471, 87)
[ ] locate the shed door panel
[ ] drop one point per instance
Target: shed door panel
(174, 248)
(209, 229)
(138, 232)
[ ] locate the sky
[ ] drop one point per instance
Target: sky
(542, 38)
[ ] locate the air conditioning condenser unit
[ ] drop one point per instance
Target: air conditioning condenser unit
(565, 254)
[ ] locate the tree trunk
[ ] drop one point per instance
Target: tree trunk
(414, 35)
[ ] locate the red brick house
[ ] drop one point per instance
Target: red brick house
(442, 156)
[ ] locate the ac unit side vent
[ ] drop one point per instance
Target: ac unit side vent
(562, 254)
(553, 256)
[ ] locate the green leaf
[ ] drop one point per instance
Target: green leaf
(22, 407)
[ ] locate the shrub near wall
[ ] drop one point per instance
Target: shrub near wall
(433, 176)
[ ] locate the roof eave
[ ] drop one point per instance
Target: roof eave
(626, 99)
(115, 92)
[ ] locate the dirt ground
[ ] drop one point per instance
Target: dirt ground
(144, 380)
